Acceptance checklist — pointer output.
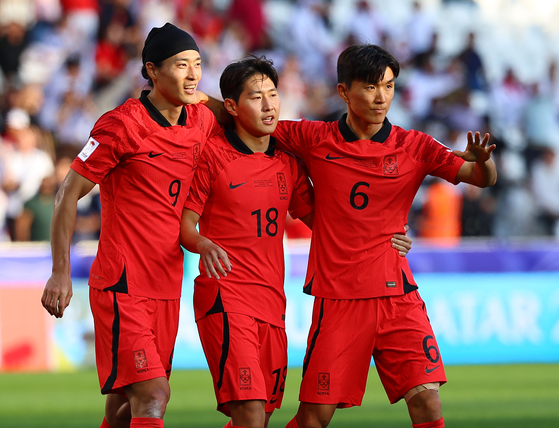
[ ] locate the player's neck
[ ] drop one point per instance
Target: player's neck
(256, 144)
(362, 129)
(170, 111)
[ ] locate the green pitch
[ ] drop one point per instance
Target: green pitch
(511, 396)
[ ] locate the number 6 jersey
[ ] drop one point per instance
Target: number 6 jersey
(143, 166)
(243, 199)
(363, 192)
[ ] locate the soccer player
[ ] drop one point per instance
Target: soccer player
(240, 194)
(142, 154)
(365, 173)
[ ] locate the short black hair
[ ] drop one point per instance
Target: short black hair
(235, 75)
(365, 63)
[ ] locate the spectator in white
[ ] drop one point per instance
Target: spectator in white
(424, 85)
(550, 84)
(25, 165)
(420, 30)
(545, 187)
(43, 59)
(366, 24)
(313, 41)
(76, 116)
(292, 90)
(508, 100)
(74, 77)
(541, 117)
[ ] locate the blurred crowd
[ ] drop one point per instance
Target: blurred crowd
(65, 62)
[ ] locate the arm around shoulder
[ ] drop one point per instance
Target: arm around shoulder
(217, 107)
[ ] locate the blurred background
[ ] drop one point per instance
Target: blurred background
(486, 260)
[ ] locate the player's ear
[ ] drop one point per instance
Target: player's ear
(342, 92)
(230, 106)
(151, 70)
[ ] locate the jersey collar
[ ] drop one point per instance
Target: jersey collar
(379, 137)
(156, 114)
(240, 146)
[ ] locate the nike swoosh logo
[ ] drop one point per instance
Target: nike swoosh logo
(272, 401)
(334, 157)
(154, 155)
(234, 186)
(431, 370)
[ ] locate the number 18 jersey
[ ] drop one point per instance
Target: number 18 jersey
(363, 192)
(243, 199)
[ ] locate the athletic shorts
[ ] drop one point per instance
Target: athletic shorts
(247, 359)
(134, 338)
(345, 333)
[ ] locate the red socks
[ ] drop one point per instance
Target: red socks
(146, 423)
(439, 423)
(104, 424)
(292, 424)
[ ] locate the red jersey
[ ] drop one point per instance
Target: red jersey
(144, 167)
(243, 199)
(364, 190)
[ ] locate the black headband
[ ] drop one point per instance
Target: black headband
(164, 42)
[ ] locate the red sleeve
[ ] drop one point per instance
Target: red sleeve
(436, 158)
(297, 136)
(200, 187)
(108, 142)
(302, 199)
(210, 123)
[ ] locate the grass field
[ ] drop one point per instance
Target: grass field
(511, 396)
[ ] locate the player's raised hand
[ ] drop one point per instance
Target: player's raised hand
(57, 294)
(214, 258)
(477, 149)
(402, 243)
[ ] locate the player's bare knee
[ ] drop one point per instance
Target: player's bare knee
(425, 397)
(315, 415)
(150, 403)
(248, 410)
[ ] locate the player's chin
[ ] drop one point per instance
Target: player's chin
(269, 129)
(189, 96)
(377, 118)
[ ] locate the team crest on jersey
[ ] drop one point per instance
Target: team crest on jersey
(282, 183)
(195, 155)
(140, 359)
(390, 165)
(244, 377)
(88, 149)
(323, 382)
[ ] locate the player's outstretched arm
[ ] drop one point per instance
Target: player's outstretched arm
(402, 243)
(58, 289)
(213, 257)
(479, 169)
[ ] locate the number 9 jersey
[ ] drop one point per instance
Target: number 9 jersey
(143, 166)
(363, 193)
